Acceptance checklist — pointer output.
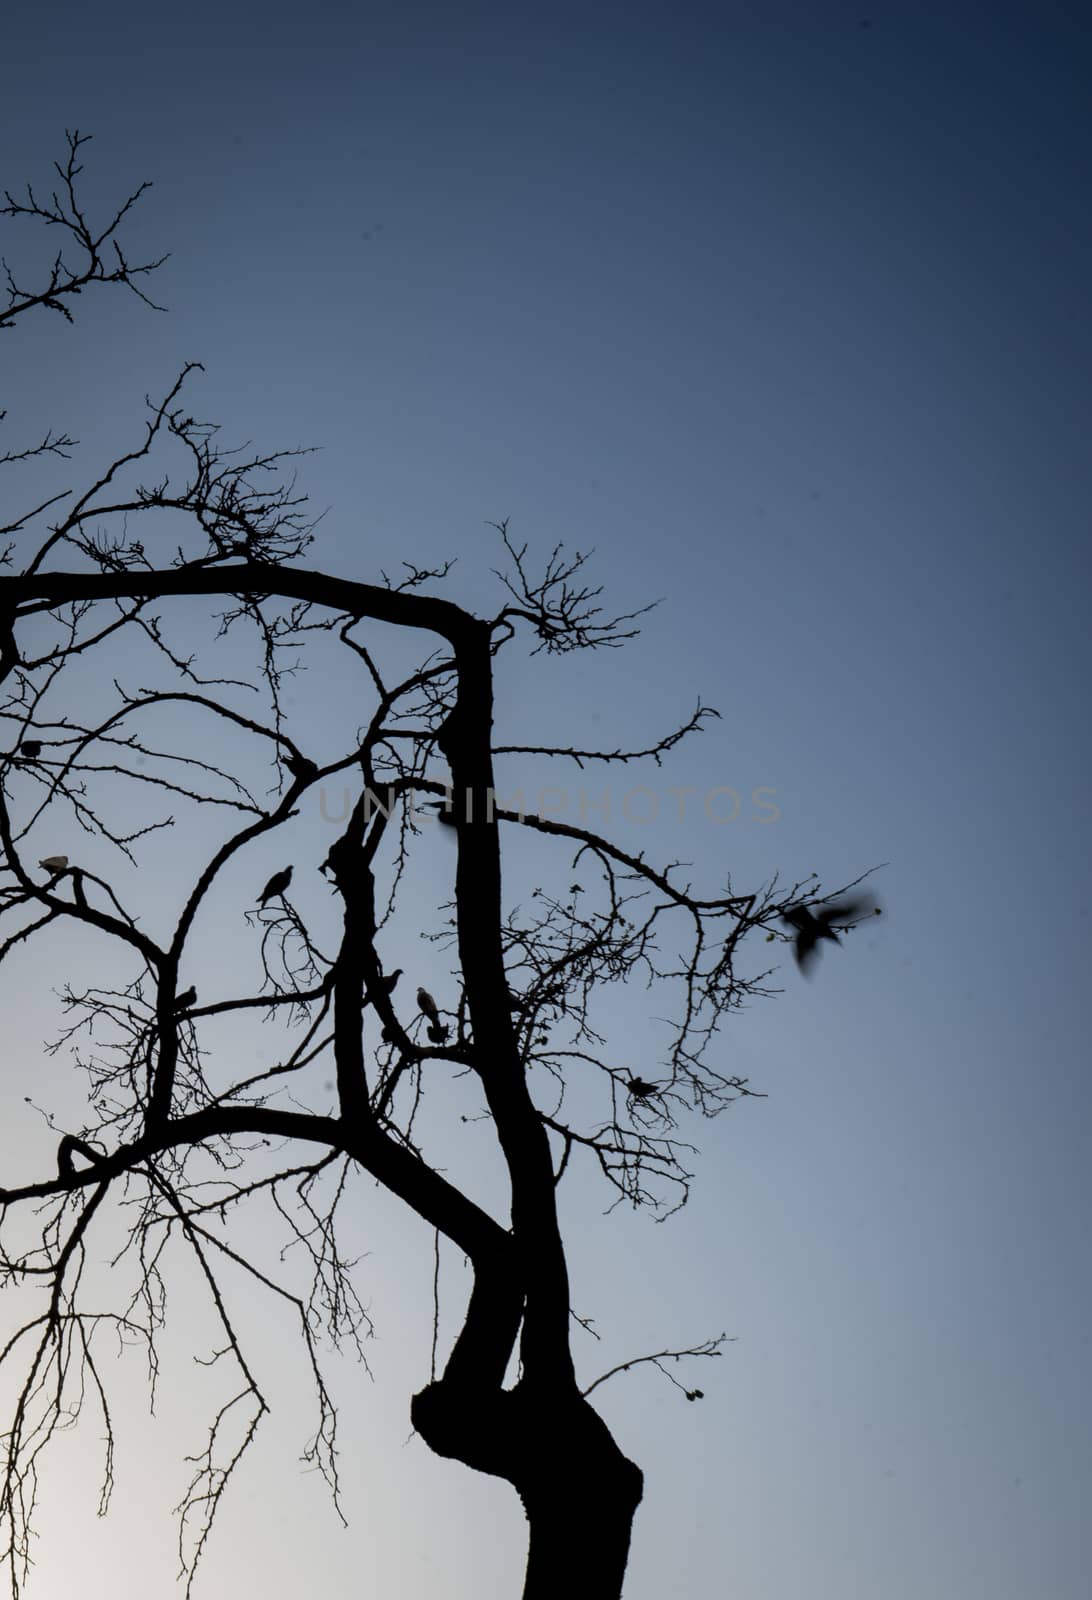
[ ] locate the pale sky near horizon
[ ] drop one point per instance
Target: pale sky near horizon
(784, 311)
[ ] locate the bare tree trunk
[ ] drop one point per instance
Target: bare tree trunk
(579, 1491)
(580, 1532)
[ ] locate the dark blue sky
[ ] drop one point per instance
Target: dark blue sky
(787, 316)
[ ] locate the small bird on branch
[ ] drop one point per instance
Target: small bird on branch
(300, 767)
(29, 750)
(812, 926)
(444, 810)
(277, 884)
(54, 864)
(185, 999)
(640, 1090)
(387, 981)
(436, 1030)
(338, 857)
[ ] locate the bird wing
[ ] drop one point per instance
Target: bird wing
(798, 917)
(806, 952)
(846, 912)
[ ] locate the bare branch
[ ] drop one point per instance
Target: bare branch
(708, 1347)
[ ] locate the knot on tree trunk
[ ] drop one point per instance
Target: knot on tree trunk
(471, 1425)
(545, 1442)
(570, 1456)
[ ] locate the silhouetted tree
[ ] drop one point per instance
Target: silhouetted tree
(112, 707)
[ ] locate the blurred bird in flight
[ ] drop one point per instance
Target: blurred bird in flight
(813, 924)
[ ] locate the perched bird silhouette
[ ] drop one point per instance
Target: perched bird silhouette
(338, 857)
(53, 863)
(300, 767)
(29, 750)
(640, 1090)
(444, 812)
(277, 884)
(388, 980)
(427, 1005)
(185, 999)
(811, 926)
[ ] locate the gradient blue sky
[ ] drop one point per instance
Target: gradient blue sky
(787, 316)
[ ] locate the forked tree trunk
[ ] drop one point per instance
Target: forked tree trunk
(579, 1491)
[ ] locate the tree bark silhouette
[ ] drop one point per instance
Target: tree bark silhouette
(81, 579)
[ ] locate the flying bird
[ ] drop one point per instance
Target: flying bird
(811, 926)
(640, 1090)
(53, 863)
(277, 884)
(185, 999)
(427, 1005)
